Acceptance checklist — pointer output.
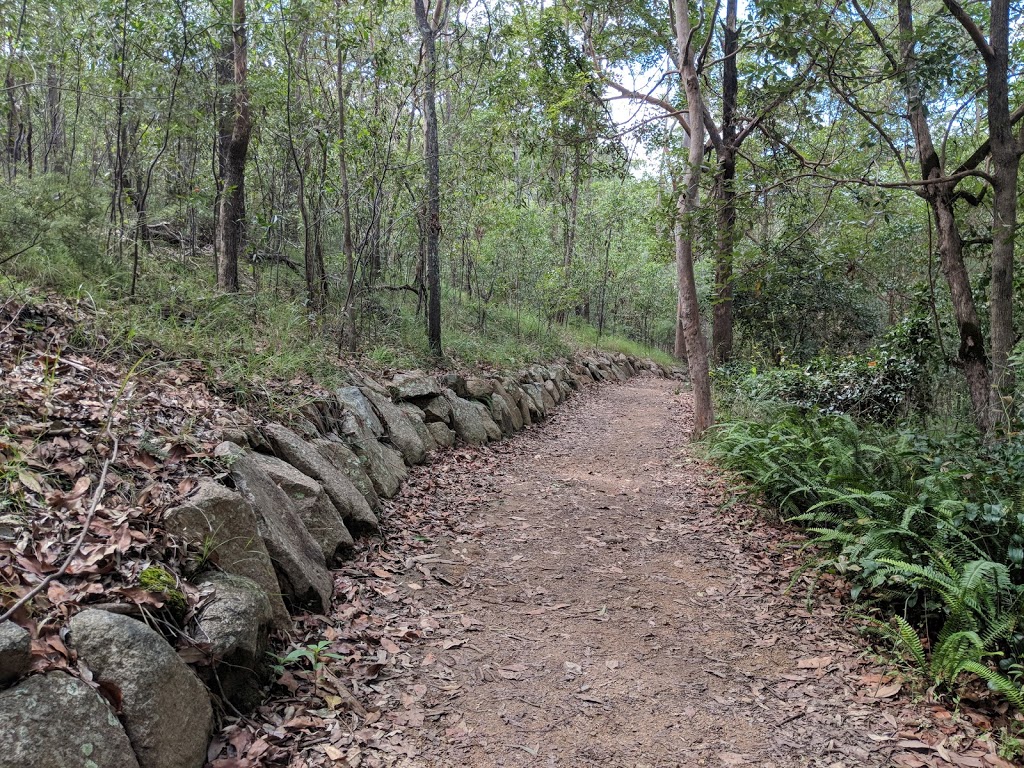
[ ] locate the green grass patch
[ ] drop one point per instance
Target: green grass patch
(265, 334)
(586, 337)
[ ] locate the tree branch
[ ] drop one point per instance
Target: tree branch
(702, 58)
(982, 151)
(980, 42)
(651, 99)
(877, 37)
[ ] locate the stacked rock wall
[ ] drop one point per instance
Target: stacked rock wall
(291, 502)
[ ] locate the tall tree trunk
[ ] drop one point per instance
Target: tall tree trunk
(428, 31)
(725, 192)
(53, 152)
(1005, 166)
(15, 134)
(687, 205)
(348, 246)
(971, 355)
(231, 214)
(224, 121)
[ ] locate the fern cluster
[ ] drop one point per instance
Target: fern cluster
(932, 530)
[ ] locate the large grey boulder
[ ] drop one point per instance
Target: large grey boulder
(521, 399)
(164, 706)
(58, 721)
(524, 410)
(510, 404)
(577, 380)
(318, 513)
(476, 388)
(536, 402)
(383, 464)
(344, 459)
(441, 434)
(15, 652)
(353, 401)
(235, 623)
(222, 524)
(618, 372)
(491, 429)
(553, 391)
(412, 385)
(501, 414)
(453, 381)
(558, 373)
(400, 432)
(466, 420)
(582, 373)
(299, 561)
(437, 409)
(510, 387)
(377, 459)
(309, 460)
(548, 399)
(415, 416)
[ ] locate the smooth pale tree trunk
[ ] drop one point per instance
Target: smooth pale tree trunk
(971, 354)
(687, 205)
(231, 213)
(679, 347)
(428, 32)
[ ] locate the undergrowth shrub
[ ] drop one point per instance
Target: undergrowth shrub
(881, 385)
(929, 529)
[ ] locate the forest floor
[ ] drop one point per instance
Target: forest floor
(579, 596)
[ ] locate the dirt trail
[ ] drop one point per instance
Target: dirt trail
(594, 607)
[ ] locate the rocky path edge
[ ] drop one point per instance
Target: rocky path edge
(287, 509)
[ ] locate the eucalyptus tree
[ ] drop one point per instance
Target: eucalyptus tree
(688, 204)
(430, 19)
(233, 148)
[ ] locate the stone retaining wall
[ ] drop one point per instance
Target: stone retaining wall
(291, 502)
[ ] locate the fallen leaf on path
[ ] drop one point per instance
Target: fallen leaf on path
(885, 691)
(819, 662)
(734, 758)
(909, 760)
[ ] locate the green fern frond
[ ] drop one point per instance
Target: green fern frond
(908, 639)
(925, 575)
(949, 656)
(1010, 690)
(1000, 631)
